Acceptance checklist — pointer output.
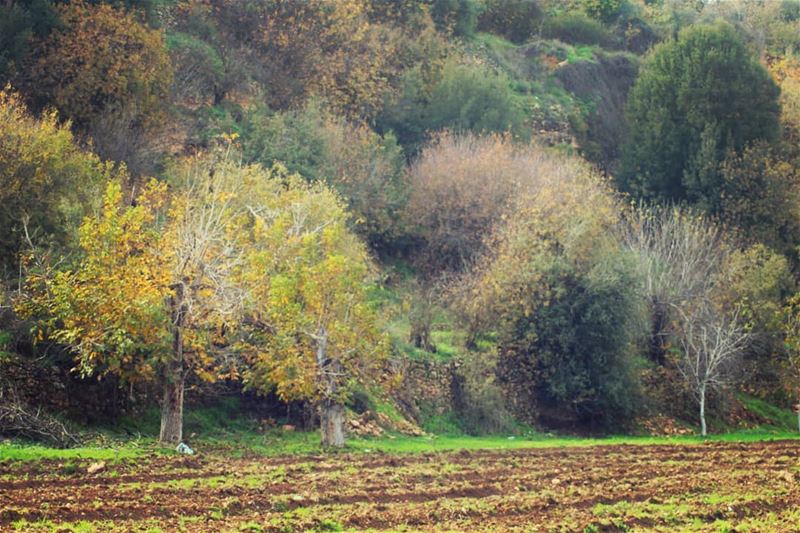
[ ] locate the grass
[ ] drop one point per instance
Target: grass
(775, 417)
(278, 442)
(20, 451)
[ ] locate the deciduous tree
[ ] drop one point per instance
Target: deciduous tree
(151, 296)
(312, 329)
(47, 183)
(100, 60)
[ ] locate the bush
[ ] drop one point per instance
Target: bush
(465, 97)
(578, 28)
(759, 195)
(558, 293)
(100, 61)
(364, 167)
(460, 17)
(47, 183)
(199, 70)
(516, 20)
(460, 188)
(19, 22)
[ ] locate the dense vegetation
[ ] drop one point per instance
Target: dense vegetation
(585, 214)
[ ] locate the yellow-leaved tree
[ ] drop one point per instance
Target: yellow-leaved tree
(312, 331)
(152, 293)
(229, 261)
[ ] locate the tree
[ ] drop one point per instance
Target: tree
(791, 375)
(364, 167)
(47, 183)
(460, 96)
(516, 20)
(19, 23)
(315, 47)
(712, 340)
(151, 296)
(759, 195)
(99, 61)
(679, 255)
(311, 328)
(696, 99)
(462, 185)
(705, 296)
(557, 292)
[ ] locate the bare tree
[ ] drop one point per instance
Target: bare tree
(683, 258)
(679, 255)
(712, 341)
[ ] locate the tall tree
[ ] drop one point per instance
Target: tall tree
(312, 329)
(152, 294)
(696, 99)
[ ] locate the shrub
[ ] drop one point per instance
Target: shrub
(460, 188)
(558, 293)
(574, 27)
(47, 183)
(516, 20)
(362, 166)
(465, 97)
(99, 61)
(459, 17)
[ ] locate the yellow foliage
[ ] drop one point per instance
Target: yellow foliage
(100, 60)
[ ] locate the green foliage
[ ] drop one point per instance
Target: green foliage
(696, 99)
(460, 17)
(19, 23)
(559, 293)
(199, 70)
(605, 10)
(575, 27)
(364, 167)
(466, 97)
(47, 183)
(574, 349)
(311, 331)
(516, 20)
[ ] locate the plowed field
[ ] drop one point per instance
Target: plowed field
(705, 487)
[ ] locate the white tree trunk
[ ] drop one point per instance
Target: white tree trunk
(703, 430)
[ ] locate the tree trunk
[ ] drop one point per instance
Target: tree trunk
(173, 375)
(798, 418)
(331, 410)
(703, 430)
(172, 408)
(331, 418)
(658, 348)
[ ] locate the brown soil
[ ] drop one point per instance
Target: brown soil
(607, 488)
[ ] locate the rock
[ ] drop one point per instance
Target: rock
(96, 467)
(184, 449)
(288, 427)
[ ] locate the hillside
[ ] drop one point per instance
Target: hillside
(384, 218)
